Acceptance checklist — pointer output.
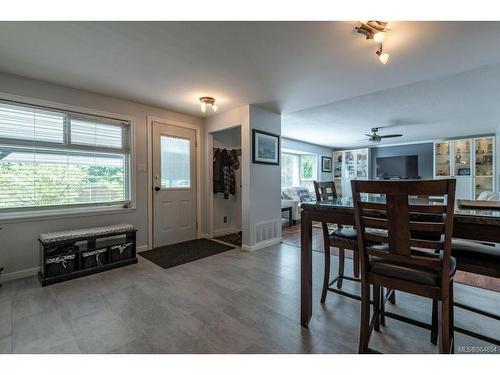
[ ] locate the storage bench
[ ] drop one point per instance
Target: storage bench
(70, 254)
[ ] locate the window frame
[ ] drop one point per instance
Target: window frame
(86, 209)
(299, 156)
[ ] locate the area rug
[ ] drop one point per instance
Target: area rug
(232, 238)
(184, 252)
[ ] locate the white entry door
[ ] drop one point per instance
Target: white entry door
(174, 184)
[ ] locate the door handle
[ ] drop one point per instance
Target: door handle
(157, 188)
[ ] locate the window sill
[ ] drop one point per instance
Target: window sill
(56, 214)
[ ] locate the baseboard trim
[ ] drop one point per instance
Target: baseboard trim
(262, 245)
(142, 248)
(20, 274)
(223, 232)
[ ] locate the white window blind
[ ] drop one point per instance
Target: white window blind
(31, 124)
(51, 158)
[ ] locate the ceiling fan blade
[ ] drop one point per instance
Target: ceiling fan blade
(369, 135)
(391, 135)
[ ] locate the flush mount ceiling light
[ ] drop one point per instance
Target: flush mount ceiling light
(207, 101)
(376, 31)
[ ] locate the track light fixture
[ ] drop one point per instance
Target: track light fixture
(376, 31)
(382, 56)
(207, 101)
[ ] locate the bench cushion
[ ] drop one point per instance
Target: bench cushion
(51, 237)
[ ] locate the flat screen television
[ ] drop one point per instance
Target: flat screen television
(397, 167)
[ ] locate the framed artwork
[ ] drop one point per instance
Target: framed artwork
(326, 164)
(265, 147)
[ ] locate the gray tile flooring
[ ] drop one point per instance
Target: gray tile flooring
(234, 302)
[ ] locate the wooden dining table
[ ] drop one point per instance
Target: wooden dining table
(472, 224)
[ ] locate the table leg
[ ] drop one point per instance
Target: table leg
(290, 220)
(305, 269)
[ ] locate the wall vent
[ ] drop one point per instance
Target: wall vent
(267, 230)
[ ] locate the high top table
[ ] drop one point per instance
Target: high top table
(472, 224)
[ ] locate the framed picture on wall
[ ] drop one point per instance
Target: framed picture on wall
(265, 147)
(326, 164)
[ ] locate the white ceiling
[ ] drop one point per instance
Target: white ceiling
(284, 66)
(462, 104)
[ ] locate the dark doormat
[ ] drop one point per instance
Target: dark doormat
(233, 239)
(184, 252)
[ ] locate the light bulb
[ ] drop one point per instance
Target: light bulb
(383, 57)
(379, 36)
(203, 106)
(214, 107)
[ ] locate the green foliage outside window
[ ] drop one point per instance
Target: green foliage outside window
(43, 184)
(307, 167)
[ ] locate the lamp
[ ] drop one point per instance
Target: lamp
(207, 101)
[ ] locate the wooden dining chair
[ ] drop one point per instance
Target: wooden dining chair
(403, 260)
(342, 238)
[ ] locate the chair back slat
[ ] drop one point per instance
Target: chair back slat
(401, 230)
(374, 222)
(430, 209)
(417, 260)
(427, 244)
(423, 226)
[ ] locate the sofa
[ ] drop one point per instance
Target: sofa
(488, 196)
(293, 197)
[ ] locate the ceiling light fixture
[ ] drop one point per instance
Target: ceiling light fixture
(207, 101)
(376, 31)
(382, 56)
(379, 36)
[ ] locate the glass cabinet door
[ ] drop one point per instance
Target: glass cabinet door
(362, 163)
(442, 159)
(349, 165)
(338, 186)
(462, 157)
(337, 164)
(483, 179)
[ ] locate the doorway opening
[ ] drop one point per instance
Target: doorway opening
(226, 215)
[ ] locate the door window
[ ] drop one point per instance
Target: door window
(175, 162)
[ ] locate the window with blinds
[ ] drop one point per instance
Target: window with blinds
(52, 158)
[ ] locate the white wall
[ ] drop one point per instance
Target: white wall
(260, 192)
(229, 208)
(319, 151)
(19, 249)
(264, 204)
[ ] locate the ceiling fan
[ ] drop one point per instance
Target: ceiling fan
(376, 138)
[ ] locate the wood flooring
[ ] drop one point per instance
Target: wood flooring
(232, 302)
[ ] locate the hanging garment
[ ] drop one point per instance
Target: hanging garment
(233, 155)
(218, 175)
(228, 173)
(223, 178)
